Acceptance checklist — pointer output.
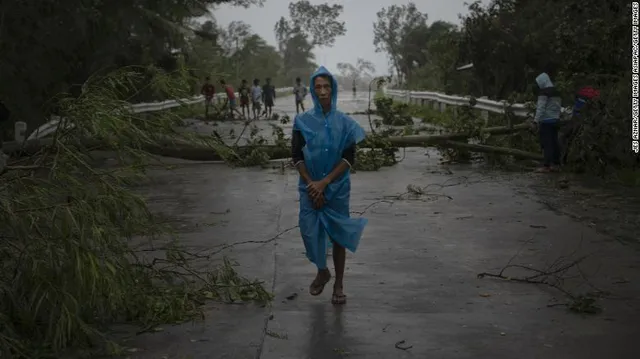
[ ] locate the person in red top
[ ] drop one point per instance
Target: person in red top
(208, 91)
(584, 96)
(231, 97)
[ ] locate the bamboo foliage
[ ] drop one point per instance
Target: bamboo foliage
(67, 229)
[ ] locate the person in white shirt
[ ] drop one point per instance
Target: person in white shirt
(256, 98)
(300, 91)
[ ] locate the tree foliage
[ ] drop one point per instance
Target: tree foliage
(307, 27)
(393, 25)
(50, 47)
(74, 235)
(319, 22)
(359, 74)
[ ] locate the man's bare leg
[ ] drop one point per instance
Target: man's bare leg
(339, 260)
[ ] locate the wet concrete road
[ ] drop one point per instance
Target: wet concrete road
(414, 277)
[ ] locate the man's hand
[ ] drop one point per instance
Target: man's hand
(534, 124)
(316, 188)
(318, 202)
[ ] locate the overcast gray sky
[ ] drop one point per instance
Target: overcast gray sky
(359, 16)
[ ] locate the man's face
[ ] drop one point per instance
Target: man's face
(322, 87)
(268, 82)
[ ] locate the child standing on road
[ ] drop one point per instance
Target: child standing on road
(244, 92)
(208, 91)
(231, 97)
(256, 98)
(300, 91)
(269, 97)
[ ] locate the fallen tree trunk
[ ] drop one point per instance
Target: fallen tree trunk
(165, 148)
(493, 149)
(35, 145)
(413, 140)
(202, 152)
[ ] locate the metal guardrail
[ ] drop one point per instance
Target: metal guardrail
(51, 126)
(440, 101)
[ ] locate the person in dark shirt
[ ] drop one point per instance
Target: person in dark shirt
(298, 143)
(268, 97)
(208, 91)
(244, 91)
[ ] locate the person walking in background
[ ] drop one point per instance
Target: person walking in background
(323, 145)
(231, 97)
(300, 92)
(244, 91)
(208, 91)
(269, 97)
(256, 99)
(547, 119)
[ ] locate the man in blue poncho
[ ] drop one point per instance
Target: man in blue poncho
(323, 151)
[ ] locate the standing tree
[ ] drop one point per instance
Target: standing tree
(356, 73)
(394, 24)
(79, 38)
(430, 56)
(308, 26)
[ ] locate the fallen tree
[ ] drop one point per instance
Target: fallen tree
(492, 149)
(200, 149)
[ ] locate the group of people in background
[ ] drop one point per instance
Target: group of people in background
(252, 98)
(255, 100)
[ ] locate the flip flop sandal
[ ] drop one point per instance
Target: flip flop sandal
(338, 299)
(317, 286)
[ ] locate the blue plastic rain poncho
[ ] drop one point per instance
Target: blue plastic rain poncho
(326, 137)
